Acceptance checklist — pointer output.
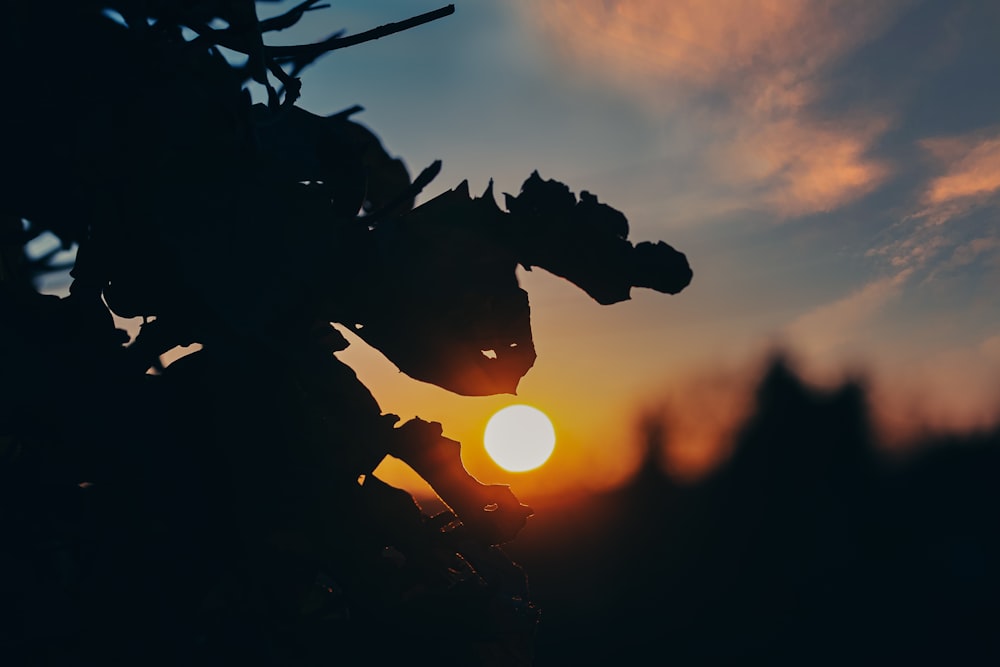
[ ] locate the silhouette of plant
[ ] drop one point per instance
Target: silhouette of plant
(223, 509)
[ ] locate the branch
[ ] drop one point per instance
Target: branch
(270, 58)
(310, 52)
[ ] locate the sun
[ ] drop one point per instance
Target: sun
(519, 438)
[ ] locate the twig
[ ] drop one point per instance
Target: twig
(265, 58)
(313, 51)
(289, 18)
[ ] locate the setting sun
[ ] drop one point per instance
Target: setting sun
(519, 438)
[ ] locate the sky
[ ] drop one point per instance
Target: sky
(831, 170)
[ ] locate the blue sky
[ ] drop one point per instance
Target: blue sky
(832, 170)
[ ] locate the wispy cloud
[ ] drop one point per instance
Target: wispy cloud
(969, 253)
(747, 75)
(971, 169)
(799, 165)
(953, 230)
(951, 225)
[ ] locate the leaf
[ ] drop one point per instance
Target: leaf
(585, 242)
(440, 298)
(345, 158)
(490, 512)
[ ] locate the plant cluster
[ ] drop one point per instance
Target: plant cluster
(223, 508)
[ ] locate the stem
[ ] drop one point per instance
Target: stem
(337, 42)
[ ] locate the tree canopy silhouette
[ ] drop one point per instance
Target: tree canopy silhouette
(224, 507)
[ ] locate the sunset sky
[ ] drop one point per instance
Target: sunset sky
(831, 170)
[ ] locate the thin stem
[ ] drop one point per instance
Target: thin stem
(289, 18)
(311, 51)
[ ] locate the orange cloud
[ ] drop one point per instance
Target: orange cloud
(745, 74)
(806, 166)
(967, 180)
(972, 168)
(774, 47)
(915, 251)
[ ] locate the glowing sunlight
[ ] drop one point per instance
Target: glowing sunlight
(519, 438)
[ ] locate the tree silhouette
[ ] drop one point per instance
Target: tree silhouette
(223, 509)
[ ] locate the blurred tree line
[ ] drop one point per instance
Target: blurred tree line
(809, 546)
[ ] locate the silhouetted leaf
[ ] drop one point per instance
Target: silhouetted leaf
(585, 242)
(440, 292)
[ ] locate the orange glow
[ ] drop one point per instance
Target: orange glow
(810, 166)
(972, 168)
(519, 438)
(696, 417)
(695, 41)
(597, 448)
(950, 391)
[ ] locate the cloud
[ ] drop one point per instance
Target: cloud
(746, 75)
(772, 47)
(952, 233)
(804, 166)
(913, 251)
(971, 169)
(952, 226)
(827, 331)
(968, 253)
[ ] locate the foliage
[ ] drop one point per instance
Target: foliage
(223, 508)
